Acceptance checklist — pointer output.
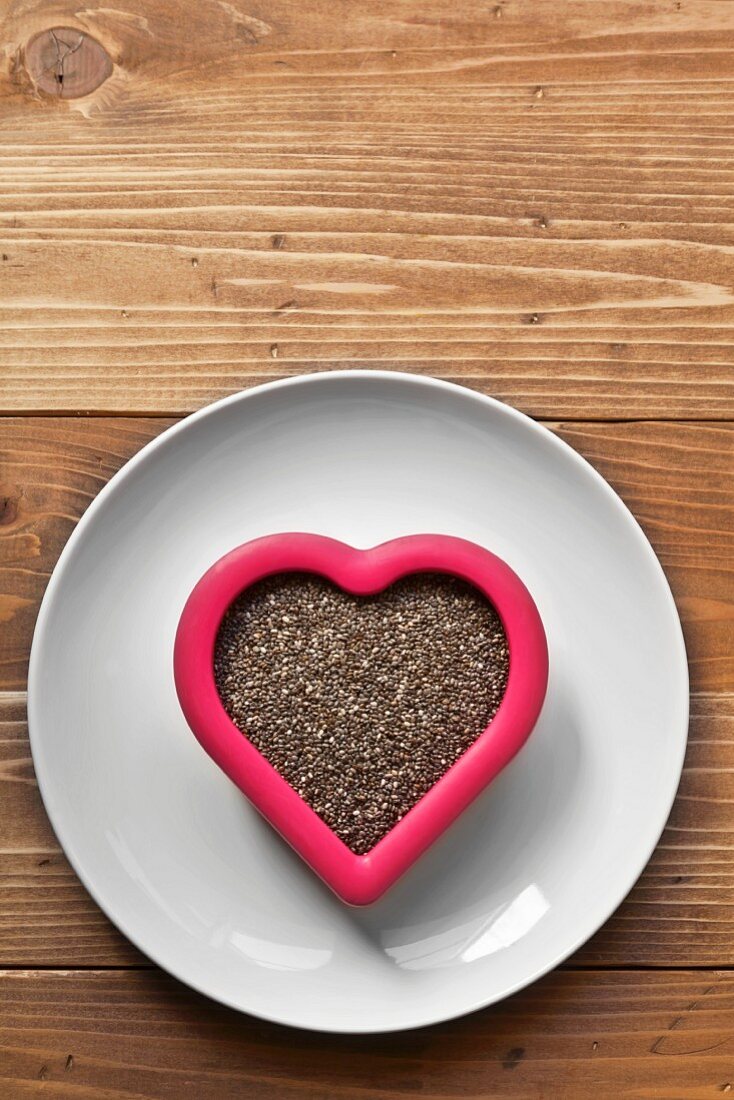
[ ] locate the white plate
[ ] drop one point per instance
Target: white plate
(174, 854)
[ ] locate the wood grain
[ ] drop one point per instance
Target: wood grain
(571, 1036)
(680, 913)
(676, 478)
(46, 914)
(530, 198)
(678, 481)
(50, 471)
(536, 202)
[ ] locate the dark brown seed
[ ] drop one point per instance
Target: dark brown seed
(361, 703)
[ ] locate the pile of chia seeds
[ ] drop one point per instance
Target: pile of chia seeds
(361, 703)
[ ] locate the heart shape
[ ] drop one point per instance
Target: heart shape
(361, 703)
(359, 879)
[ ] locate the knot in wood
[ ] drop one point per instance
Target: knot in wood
(66, 63)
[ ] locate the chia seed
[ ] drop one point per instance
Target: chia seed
(361, 702)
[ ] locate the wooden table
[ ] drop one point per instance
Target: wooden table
(533, 198)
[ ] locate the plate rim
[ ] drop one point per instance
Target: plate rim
(44, 780)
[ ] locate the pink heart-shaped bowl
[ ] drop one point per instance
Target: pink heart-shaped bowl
(359, 880)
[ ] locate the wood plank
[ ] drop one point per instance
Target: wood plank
(681, 912)
(571, 1036)
(53, 468)
(535, 203)
(46, 914)
(50, 471)
(676, 478)
(678, 481)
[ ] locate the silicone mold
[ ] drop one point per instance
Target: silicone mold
(359, 880)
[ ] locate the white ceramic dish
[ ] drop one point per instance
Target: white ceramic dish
(171, 850)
